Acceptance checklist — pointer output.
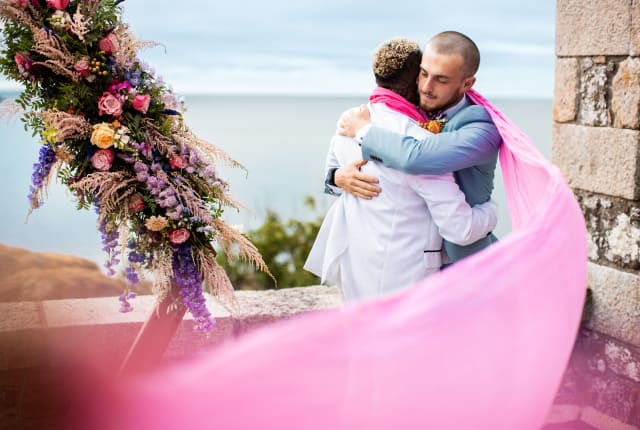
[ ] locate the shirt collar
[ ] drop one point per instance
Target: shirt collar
(449, 113)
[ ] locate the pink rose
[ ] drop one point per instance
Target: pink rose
(109, 105)
(141, 102)
(109, 43)
(179, 236)
(178, 162)
(23, 60)
(58, 4)
(82, 67)
(135, 203)
(103, 159)
(21, 3)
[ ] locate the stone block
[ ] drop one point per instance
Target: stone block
(563, 414)
(597, 353)
(616, 303)
(565, 92)
(614, 397)
(593, 27)
(613, 226)
(623, 360)
(594, 87)
(634, 48)
(286, 301)
(601, 421)
(598, 159)
(625, 94)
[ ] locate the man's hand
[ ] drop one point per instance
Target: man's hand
(353, 120)
(351, 180)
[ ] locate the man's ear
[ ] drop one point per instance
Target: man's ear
(468, 83)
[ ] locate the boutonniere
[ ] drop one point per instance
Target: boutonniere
(435, 126)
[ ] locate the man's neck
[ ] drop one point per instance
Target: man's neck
(453, 106)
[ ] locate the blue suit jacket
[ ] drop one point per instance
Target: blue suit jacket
(468, 146)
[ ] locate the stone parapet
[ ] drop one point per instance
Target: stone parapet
(35, 335)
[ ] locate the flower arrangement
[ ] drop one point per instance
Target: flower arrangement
(114, 134)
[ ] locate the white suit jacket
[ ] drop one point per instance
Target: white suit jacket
(374, 247)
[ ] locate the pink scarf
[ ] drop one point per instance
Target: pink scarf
(482, 345)
(397, 103)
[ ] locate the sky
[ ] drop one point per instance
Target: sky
(325, 46)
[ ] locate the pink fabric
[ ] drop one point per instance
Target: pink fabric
(397, 103)
(482, 345)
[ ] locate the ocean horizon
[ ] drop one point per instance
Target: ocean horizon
(281, 140)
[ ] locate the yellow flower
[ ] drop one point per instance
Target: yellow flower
(49, 136)
(102, 135)
(156, 223)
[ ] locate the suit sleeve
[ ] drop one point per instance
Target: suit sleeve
(474, 142)
(457, 222)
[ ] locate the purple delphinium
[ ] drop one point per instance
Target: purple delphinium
(41, 169)
(124, 298)
(189, 280)
(134, 258)
(110, 244)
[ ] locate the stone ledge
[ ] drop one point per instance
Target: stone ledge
(29, 335)
(104, 310)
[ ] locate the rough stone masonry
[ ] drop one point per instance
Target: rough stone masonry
(596, 144)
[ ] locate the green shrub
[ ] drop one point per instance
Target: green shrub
(284, 247)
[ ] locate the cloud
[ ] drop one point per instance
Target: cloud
(322, 47)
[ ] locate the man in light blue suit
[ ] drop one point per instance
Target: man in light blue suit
(467, 145)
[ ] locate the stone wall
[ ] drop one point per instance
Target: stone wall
(596, 144)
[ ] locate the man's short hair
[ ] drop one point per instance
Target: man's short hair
(396, 64)
(453, 42)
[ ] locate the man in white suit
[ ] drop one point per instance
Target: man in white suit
(378, 246)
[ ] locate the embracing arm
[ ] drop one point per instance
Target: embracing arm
(344, 175)
(457, 222)
(331, 165)
(475, 141)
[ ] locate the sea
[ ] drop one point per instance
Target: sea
(281, 141)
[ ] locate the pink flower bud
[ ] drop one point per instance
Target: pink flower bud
(109, 43)
(141, 102)
(58, 4)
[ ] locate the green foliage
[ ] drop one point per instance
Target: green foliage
(284, 247)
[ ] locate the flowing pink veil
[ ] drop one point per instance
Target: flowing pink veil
(482, 345)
